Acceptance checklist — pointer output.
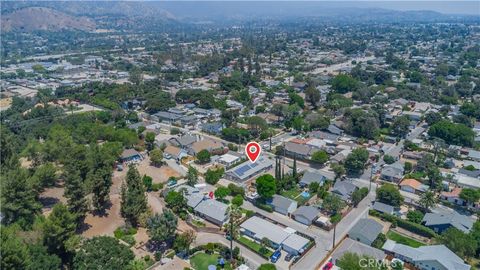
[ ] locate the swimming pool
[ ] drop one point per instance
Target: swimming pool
(305, 194)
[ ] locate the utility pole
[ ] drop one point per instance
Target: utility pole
(374, 168)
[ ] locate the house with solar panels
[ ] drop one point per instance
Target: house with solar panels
(248, 170)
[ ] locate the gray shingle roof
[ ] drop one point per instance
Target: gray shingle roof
(310, 177)
(281, 202)
(369, 228)
(461, 222)
(439, 253)
(344, 189)
(352, 246)
(309, 212)
(301, 149)
(383, 207)
(213, 209)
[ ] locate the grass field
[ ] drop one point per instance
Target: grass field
(294, 194)
(201, 261)
(404, 240)
(255, 246)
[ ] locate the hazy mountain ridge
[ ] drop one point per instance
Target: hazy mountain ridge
(42, 18)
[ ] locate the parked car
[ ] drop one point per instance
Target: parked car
(275, 256)
(289, 257)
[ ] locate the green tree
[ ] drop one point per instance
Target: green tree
(415, 216)
(14, 252)
(388, 159)
(156, 157)
(222, 192)
(213, 176)
(353, 261)
(266, 186)
(267, 266)
(427, 200)
(75, 194)
(102, 181)
(59, 228)
(358, 195)
(237, 200)
(203, 156)
(320, 157)
(462, 244)
(451, 133)
(400, 126)
(343, 83)
(45, 176)
(338, 169)
(470, 195)
(103, 252)
(312, 95)
(332, 203)
(355, 161)
(162, 227)
(183, 241)
(150, 140)
(41, 259)
(18, 200)
(192, 176)
(147, 182)
(389, 194)
(176, 201)
(134, 201)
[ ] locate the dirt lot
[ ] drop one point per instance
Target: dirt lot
(51, 196)
(105, 224)
(160, 174)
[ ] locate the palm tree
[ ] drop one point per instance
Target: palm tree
(232, 228)
(427, 200)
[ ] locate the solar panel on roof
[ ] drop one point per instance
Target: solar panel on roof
(240, 171)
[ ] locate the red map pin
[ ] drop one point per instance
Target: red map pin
(253, 151)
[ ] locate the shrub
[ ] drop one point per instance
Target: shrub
(263, 206)
(388, 159)
(157, 186)
(405, 224)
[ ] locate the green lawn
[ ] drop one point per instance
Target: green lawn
(294, 194)
(254, 245)
(404, 240)
(201, 261)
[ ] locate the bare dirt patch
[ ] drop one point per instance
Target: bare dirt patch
(159, 174)
(104, 224)
(51, 196)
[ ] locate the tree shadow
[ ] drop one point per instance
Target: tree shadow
(103, 212)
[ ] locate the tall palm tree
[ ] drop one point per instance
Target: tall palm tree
(232, 228)
(427, 200)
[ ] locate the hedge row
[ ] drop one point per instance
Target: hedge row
(405, 224)
(265, 207)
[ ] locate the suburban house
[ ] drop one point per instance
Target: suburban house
(209, 209)
(311, 177)
(437, 257)
(130, 155)
(184, 141)
(306, 214)
(283, 205)
(413, 186)
(440, 222)
(383, 208)
(258, 228)
(453, 196)
(301, 151)
(213, 147)
(365, 231)
(392, 172)
(228, 159)
(344, 190)
(174, 152)
(213, 211)
(352, 246)
(213, 127)
(248, 170)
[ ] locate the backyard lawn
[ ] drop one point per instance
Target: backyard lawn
(404, 240)
(201, 261)
(295, 194)
(255, 246)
